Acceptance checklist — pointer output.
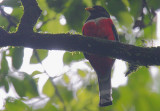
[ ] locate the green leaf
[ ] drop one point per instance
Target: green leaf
(153, 4)
(16, 105)
(66, 78)
(6, 85)
(31, 86)
(126, 3)
(142, 77)
(35, 73)
(66, 94)
(4, 65)
(48, 88)
(120, 7)
(43, 4)
(58, 28)
(74, 19)
(17, 13)
(89, 2)
(18, 85)
(4, 82)
(126, 97)
(56, 5)
(17, 54)
(11, 3)
(147, 19)
(82, 73)
(115, 94)
(136, 7)
(69, 57)
(25, 87)
(1, 81)
(37, 55)
(3, 22)
(125, 18)
(150, 32)
(49, 107)
(87, 99)
(143, 105)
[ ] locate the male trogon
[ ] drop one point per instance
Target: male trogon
(99, 24)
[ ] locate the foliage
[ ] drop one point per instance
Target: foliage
(135, 21)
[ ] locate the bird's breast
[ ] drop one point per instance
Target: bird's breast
(100, 27)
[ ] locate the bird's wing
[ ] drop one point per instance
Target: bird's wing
(85, 54)
(115, 33)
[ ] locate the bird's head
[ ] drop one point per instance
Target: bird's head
(97, 11)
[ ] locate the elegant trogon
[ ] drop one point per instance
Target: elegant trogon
(99, 24)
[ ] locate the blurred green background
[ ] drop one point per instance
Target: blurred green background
(136, 23)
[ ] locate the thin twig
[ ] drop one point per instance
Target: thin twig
(51, 79)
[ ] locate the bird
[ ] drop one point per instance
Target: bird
(100, 25)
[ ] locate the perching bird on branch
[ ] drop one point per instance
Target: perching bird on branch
(99, 24)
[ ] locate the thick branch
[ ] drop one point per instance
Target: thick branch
(30, 16)
(68, 42)
(27, 38)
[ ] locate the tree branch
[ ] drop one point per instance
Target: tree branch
(69, 42)
(27, 38)
(30, 16)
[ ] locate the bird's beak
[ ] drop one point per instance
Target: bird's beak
(89, 9)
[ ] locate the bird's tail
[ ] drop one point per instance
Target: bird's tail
(105, 89)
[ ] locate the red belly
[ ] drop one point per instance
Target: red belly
(100, 29)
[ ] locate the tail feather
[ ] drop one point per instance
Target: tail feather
(105, 89)
(103, 66)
